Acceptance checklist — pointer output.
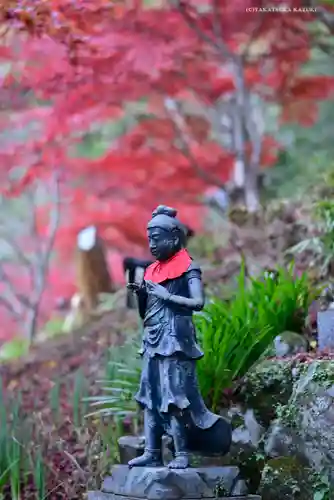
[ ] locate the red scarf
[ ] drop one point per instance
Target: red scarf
(169, 269)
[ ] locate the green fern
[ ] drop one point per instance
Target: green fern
(120, 383)
(235, 334)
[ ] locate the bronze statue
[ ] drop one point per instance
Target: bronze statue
(171, 291)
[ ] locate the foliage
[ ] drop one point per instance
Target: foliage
(26, 247)
(14, 349)
(149, 136)
(49, 389)
(321, 486)
(120, 383)
(235, 334)
(322, 244)
(19, 461)
(25, 442)
(156, 95)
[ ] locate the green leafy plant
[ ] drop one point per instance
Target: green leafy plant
(39, 475)
(120, 383)
(321, 485)
(18, 461)
(54, 400)
(235, 334)
(14, 349)
(79, 397)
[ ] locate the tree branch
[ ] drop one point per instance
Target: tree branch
(179, 125)
(203, 36)
(42, 266)
(7, 304)
(22, 258)
(14, 296)
(242, 170)
(30, 195)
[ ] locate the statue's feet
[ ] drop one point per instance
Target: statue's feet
(181, 461)
(148, 459)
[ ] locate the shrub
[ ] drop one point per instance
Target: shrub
(235, 334)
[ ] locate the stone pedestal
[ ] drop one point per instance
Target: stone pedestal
(98, 495)
(325, 320)
(161, 483)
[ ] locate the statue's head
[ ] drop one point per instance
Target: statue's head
(166, 234)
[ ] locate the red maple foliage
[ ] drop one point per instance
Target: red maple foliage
(165, 75)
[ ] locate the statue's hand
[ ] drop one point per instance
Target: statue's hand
(156, 290)
(134, 287)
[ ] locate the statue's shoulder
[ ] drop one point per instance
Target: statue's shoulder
(194, 268)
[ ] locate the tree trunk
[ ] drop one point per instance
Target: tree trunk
(245, 171)
(252, 195)
(92, 269)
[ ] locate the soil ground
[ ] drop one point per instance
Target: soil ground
(64, 444)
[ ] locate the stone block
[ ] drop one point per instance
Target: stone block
(325, 320)
(161, 483)
(130, 447)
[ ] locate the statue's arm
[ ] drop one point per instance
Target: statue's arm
(196, 291)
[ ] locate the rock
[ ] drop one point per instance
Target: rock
(98, 495)
(246, 437)
(285, 479)
(289, 343)
(130, 447)
(325, 320)
(268, 384)
(154, 483)
(305, 425)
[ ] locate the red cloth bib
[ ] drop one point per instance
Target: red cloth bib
(169, 269)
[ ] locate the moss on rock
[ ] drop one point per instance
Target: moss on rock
(321, 373)
(287, 344)
(268, 385)
(295, 402)
(304, 426)
(284, 478)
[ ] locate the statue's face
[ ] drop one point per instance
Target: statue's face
(162, 243)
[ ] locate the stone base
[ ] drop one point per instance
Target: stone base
(161, 483)
(98, 495)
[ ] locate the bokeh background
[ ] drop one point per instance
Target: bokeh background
(221, 109)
